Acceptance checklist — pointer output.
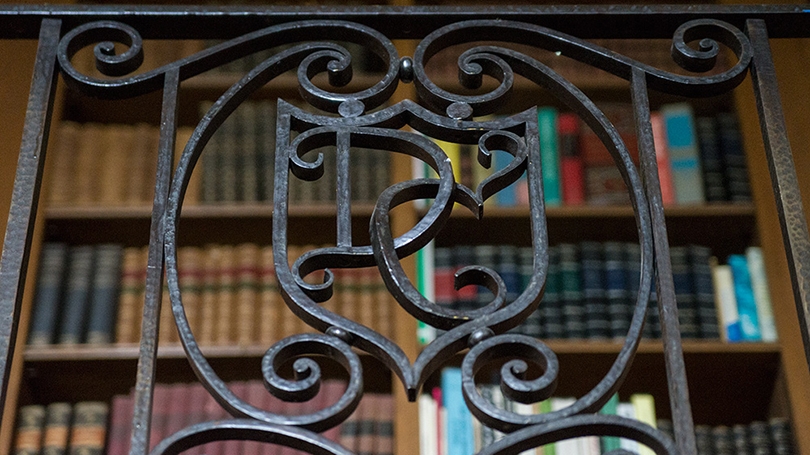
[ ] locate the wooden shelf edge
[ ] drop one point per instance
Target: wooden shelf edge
(201, 211)
(612, 211)
(578, 347)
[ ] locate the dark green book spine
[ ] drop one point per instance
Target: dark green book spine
(619, 306)
(571, 291)
(703, 291)
(77, 295)
(104, 300)
(684, 292)
(597, 324)
(48, 294)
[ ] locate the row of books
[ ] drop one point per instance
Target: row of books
(700, 159)
(94, 294)
(238, 163)
(774, 437)
(446, 426)
(62, 428)
(114, 165)
(591, 290)
(91, 428)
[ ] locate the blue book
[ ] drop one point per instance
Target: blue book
(507, 197)
(746, 305)
(687, 176)
(458, 428)
(104, 296)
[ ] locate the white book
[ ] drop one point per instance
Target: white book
(428, 440)
(524, 409)
(723, 282)
(762, 297)
(566, 446)
(628, 411)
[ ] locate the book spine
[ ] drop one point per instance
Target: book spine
(609, 443)
(571, 287)
(662, 159)
(208, 297)
(644, 405)
(104, 298)
(459, 420)
(141, 165)
(74, 315)
(534, 323)
(572, 173)
(60, 188)
(366, 424)
(113, 164)
(248, 188)
(683, 153)
(703, 291)
(121, 412)
(551, 310)
(759, 285)
(269, 301)
(425, 283)
(30, 421)
(57, 429)
(192, 195)
(733, 154)
(266, 138)
(619, 303)
(746, 306)
(89, 429)
(247, 257)
(549, 155)
(597, 323)
(726, 302)
(428, 409)
(48, 294)
(710, 159)
(684, 296)
(89, 152)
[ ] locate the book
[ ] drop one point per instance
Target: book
(619, 302)
(77, 294)
(45, 313)
(762, 297)
(733, 155)
(61, 191)
(89, 430)
(549, 155)
(572, 174)
(684, 293)
(571, 291)
(247, 267)
(609, 443)
(597, 322)
(428, 442)
(726, 302)
(683, 153)
(703, 290)
(104, 296)
(130, 299)
(459, 420)
(30, 421)
(644, 406)
(662, 158)
(57, 428)
(121, 412)
(551, 307)
(744, 293)
(711, 160)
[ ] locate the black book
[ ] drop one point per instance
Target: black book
(714, 179)
(48, 294)
(77, 294)
(619, 303)
(597, 323)
(684, 294)
(104, 297)
(551, 306)
(571, 287)
(533, 326)
(734, 164)
(703, 292)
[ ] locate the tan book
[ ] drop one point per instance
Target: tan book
(167, 332)
(142, 166)
(350, 299)
(90, 154)
(384, 304)
(366, 298)
(61, 188)
(192, 196)
(290, 323)
(130, 301)
(208, 295)
(270, 304)
(190, 271)
(114, 168)
(226, 297)
(247, 257)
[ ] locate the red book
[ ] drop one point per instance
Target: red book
(120, 423)
(198, 397)
(662, 158)
(179, 402)
(160, 412)
(571, 168)
(332, 390)
(437, 396)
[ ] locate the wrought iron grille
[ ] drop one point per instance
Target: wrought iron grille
(369, 118)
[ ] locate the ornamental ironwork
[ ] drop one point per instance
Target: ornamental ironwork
(311, 43)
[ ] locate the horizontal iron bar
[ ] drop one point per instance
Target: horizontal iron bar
(586, 21)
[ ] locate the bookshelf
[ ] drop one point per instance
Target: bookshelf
(779, 365)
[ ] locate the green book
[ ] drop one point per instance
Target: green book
(549, 155)
(610, 442)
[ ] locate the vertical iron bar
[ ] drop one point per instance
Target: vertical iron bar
(344, 191)
(27, 182)
(667, 306)
(141, 421)
(783, 173)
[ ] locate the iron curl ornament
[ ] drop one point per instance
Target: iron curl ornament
(361, 119)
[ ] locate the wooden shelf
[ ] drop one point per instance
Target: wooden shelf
(201, 211)
(614, 211)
